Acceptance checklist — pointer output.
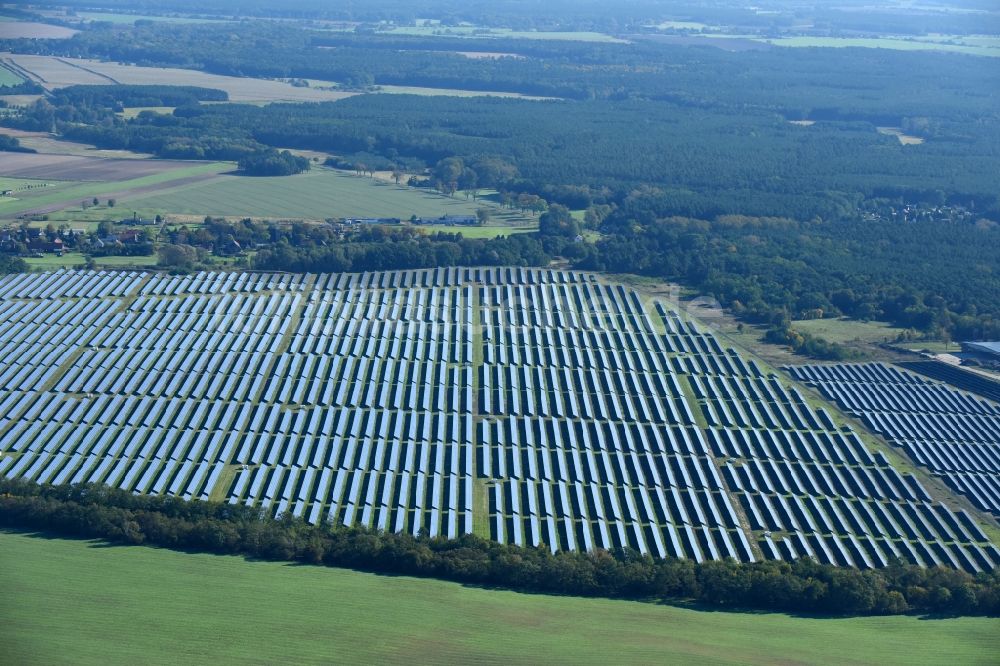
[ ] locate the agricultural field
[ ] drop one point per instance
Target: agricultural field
(32, 30)
(451, 92)
(318, 195)
(111, 17)
(503, 33)
(79, 168)
(983, 45)
(54, 72)
(536, 407)
(78, 597)
(135, 177)
(956, 436)
(8, 77)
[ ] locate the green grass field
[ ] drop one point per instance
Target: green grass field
(73, 193)
(50, 262)
(9, 78)
(847, 330)
(85, 603)
(982, 46)
(317, 195)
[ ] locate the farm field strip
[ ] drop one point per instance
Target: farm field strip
(954, 435)
(78, 168)
(382, 399)
(56, 72)
(319, 194)
(33, 30)
(160, 174)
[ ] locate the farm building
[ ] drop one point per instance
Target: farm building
(986, 349)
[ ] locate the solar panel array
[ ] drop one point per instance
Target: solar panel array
(537, 407)
(953, 434)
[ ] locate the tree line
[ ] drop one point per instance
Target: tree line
(95, 511)
(927, 277)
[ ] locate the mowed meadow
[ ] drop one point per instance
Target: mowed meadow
(90, 603)
(319, 194)
(64, 173)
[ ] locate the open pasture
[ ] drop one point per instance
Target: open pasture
(62, 195)
(9, 77)
(33, 30)
(79, 168)
(591, 419)
(112, 17)
(975, 45)
(54, 72)
(844, 330)
(319, 194)
(76, 597)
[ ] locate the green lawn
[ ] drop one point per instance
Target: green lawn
(50, 262)
(110, 17)
(316, 195)
(847, 330)
(71, 193)
(84, 603)
(488, 231)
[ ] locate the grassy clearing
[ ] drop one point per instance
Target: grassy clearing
(452, 92)
(933, 347)
(22, 184)
(70, 194)
(488, 231)
(845, 330)
(8, 77)
(81, 601)
(473, 31)
(981, 46)
(31, 30)
(904, 139)
(50, 262)
(317, 195)
(133, 112)
(107, 17)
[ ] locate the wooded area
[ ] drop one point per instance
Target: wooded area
(801, 586)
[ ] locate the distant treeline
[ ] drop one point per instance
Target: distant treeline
(379, 249)
(930, 277)
(704, 163)
(878, 85)
(593, 15)
(94, 511)
(927, 276)
(123, 96)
